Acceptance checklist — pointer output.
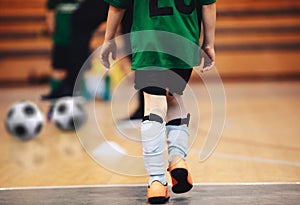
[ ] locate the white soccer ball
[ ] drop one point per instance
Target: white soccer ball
(24, 120)
(69, 114)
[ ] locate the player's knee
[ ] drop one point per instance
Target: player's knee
(172, 103)
(155, 104)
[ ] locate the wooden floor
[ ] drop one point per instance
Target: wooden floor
(260, 141)
(256, 161)
(261, 194)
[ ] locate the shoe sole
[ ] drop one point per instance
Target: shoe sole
(181, 176)
(158, 200)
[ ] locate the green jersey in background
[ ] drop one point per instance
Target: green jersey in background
(63, 11)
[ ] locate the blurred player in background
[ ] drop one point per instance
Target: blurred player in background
(83, 22)
(58, 22)
(163, 87)
(76, 29)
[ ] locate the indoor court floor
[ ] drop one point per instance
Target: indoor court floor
(250, 133)
(256, 160)
(225, 194)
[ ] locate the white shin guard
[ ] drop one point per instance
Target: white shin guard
(177, 141)
(153, 139)
(177, 138)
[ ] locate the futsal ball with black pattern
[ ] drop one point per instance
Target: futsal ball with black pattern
(69, 114)
(24, 120)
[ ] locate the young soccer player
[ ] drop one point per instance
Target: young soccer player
(58, 22)
(74, 30)
(163, 78)
(58, 19)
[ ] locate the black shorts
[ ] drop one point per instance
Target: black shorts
(60, 56)
(159, 82)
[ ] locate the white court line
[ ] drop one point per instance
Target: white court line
(256, 159)
(144, 185)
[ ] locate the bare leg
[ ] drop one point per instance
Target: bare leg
(155, 104)
(175, 107)
(58, 74)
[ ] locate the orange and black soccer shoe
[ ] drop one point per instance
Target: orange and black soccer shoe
(157, 193)
(181, 178)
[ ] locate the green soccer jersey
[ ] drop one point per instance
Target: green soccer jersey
(63, 10)
(158, 30)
